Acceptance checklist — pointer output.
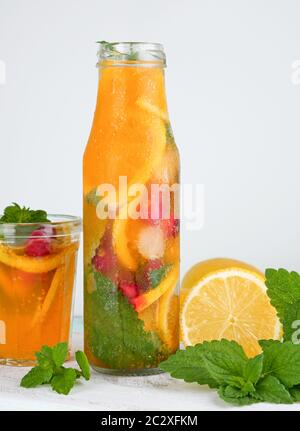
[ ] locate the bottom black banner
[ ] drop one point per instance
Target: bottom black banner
(140, 420)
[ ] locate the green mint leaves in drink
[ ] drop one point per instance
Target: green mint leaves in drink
(50, 369)
(14, 213)
(114, 331)
(157, 275)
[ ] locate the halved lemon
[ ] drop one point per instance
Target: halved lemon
(225, 298)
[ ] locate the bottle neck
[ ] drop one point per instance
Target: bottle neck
(128, 88)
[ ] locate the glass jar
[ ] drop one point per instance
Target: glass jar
(131, 215)
(37, 275)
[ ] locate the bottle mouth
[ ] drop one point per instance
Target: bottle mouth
(144, 54)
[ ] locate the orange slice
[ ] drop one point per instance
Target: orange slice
(172, 250)
(149, 317)
(35, 265)
(121, 245)
(162, 316)
(5, 281)
(169, 282)
(56, 282)
(150, 107)
(168, 325)
(224, 298)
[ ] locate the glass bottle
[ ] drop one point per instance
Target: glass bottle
(131, 215)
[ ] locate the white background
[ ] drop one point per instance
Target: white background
(233, 103)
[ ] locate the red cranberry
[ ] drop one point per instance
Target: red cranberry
(129, 289)
(38, 244)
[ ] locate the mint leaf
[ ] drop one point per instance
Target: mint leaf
(235, 381)
(223, 366)
(36, 376)
(44, 358)
(50, 369)
(295, 393)
(114, 332)
(78, 373)
(282, 360)
(92, 198)
(253, 369)
(271, 390)
(226, 370)
(291, 323)
(157, 275)
(188, 365)
(38, 216)
(59, 353)
(234, 396)
(264, 344)
(283, 289)
(64, 381)
(16, 214)
(110, 47)
(83, 364)
(247, 389)
(211, 363)
(169, 132)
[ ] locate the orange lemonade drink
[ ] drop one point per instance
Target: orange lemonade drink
(37, 270)
(131, 215)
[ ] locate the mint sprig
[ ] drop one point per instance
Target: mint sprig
(270, 389)
(272, 376)
(16, 214)
(50, 369)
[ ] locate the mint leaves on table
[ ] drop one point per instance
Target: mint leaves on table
(113, 330)
(273, 376)
(50, 369)
(16, 214)
(37, 376)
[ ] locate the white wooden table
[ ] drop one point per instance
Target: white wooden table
(104, 392)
